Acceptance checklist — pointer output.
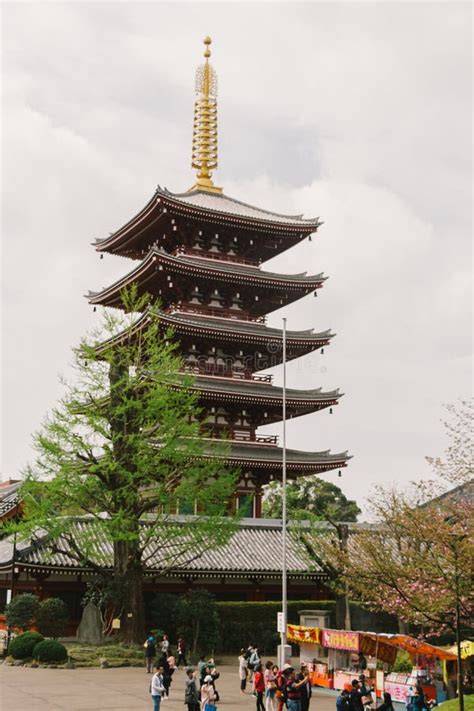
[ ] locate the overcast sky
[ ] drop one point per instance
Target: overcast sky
(359, 113)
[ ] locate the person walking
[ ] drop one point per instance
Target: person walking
(306, 690)
(181, 647)
(165, 645)
(150, 653)
(254, 658)
(166, 675)
(259, 686)
(270, 675)
(191, 694)
(208, 694)
(387, 704)
(242, 670)
(157, 688)
(281, 680)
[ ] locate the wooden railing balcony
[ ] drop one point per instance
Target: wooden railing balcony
(225, 371)
(223, 312)
(216, 432)
(218, 256)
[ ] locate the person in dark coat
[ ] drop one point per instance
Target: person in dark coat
(150, 653)
(356, 697)
(191, 694)
(306, 691)
(387, 704)
(181, 652)
(163, 661)
(343, 701)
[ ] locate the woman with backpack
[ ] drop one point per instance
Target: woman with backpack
(150, 653)
(191, 694)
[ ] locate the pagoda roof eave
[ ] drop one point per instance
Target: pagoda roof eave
(269, 456)
(206, 269)
(221, 209)
(223, 206)
(238, 331)
(261, 391)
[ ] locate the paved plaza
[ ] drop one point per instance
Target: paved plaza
(125, 689)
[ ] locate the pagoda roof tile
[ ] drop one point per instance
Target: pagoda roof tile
(251, 388)
(227, 271)
(221, 203)
(258, 455)
(251, 328)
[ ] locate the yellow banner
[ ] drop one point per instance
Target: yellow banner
(298, 634)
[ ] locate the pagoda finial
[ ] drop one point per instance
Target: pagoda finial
(204, 157)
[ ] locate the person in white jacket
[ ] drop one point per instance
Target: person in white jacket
(156, 687)
(208, 694)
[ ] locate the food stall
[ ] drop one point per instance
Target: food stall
(332, 658)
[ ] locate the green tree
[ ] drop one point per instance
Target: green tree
(310, 496)
(123, 447)
(52, 617)
(197, 620)
(22, 610)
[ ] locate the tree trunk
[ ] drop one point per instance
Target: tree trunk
(343, 531)
(128, 569)
(196, 636)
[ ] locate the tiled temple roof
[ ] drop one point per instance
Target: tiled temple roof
(254, 549)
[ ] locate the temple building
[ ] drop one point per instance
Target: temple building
(202, 254)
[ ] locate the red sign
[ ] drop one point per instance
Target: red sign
(340, 639)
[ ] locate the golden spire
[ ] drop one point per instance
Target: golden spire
(205, 124)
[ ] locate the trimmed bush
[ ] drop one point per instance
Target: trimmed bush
(50, 651)
(21, 611)
(22, 647)
(52, 617)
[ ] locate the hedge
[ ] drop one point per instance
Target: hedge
(243, 623)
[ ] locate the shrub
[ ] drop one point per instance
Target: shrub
(52, 617)
(21, 611)
(22, 647)
(49, 650)
(242, 623)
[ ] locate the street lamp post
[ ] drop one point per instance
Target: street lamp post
(284, 589)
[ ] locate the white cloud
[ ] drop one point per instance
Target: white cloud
(356, 112)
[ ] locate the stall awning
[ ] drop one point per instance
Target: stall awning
(383, 646)
(415, 646)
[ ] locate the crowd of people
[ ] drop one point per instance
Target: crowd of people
(274, 689)
(200, 692)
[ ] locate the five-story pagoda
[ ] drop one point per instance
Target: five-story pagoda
(200, 253)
